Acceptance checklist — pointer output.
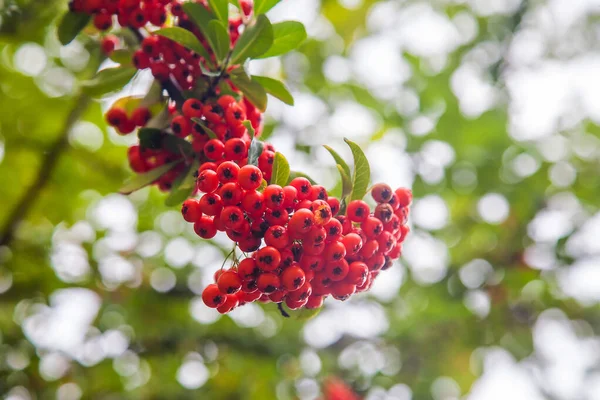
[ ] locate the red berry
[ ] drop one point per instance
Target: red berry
(213, 149)
(372, 227)
(386, 241)
(268, 282)
(232, 217)
(231, 302)
(212, 296)
(231, 193)
(205, 227)
(318, 192)
(382, 193)
(369, 249)
(268, 258)
(192, 108)
(357, 273)
(211, 204)
(334, 251)
(229, 282)
(253, 203)
(247, 269)
(334, 204)
(228, 172)
(207, 181)
(404, 197)
(384, 212)
(333, 229)
(181, 126)
(353, 243)
(235, 149)
(141, 116)
(314, 302)
(312, 263)
(303, 186)
(109, 43)
(302, 221)
(293, 278)
(116, 116)
(342, 290)
(294, 304)
(302, 293)
(274, 196)
(337, 270)
(250, 177)
(277, 237)
(191, 210)
(357, 211)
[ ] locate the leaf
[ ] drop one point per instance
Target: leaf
(287, 36)
(254, 41)
(263, 186)
(262, 6)
(248, 125)
(128, 103)
(211, 134)
(150, 138)
(70, 25)
(201, 18)
(122, 56)
(362, 172)
(219, 38)
(339, 160)
(251, 89)
(221, 9)
(296, 174)
(160, 120)
(184, 38)
(275, 88)
(184, 185)
(256, 149)
(346, 182)
(108, 80)
(281, 170)
(141, 180)
(177, 145)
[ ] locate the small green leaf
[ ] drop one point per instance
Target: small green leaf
(362, 172)
(262, 6)
(108, 80)
(256, 149)
(211, 134)
(254, 41)
(177, 145)
(160, 120)
(267, 131)
(122, 56)
(281, 170)
(287, 36)
(339, 160)
(220, 38)
(250, 128)
(184, 185)
(221, 9)
(70, 25)
(346, 182)
(251, 89)
(263, 186)
(275, 88)
(184, 38)
(150, 138)
(141, 180)
(296, 174)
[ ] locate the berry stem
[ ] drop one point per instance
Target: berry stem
(282, 311)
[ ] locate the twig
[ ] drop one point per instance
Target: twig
(282, 311)
(48, 164)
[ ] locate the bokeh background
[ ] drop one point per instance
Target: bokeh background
(488, 109)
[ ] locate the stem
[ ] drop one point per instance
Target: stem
(45, 172)
(282, 311)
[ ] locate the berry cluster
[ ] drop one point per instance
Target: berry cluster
(300, 245)
(309, 251)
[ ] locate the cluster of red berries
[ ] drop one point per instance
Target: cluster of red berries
(309, 251)
(128, 13)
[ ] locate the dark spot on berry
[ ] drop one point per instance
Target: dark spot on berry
(359, 212)
(211, 200)
(337, 271)
(269, 289)
(297, 282)
(334, 230)
(217, 299)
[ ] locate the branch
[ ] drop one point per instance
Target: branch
(48, 164)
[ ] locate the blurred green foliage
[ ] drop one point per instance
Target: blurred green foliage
(49, 180)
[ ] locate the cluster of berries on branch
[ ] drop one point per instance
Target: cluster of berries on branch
(299, 244)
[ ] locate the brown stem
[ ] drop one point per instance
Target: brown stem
(45, 172)
(282, 311)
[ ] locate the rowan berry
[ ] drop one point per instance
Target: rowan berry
(277, 237)
(205, 227)
(213, 149)
(288, 257)
(353, 243)
(232, 217)
(249, 243)
(357, 273)
(303, 187)
(116, 116)
(192, 108)
(294, 304)
(372, 227)
(268, 258)
(290, 197)
(250, 177)
(274, 196)
(226, 101)
(250, 286)
(207, 181)
(382, 193)
(292, 278)
(103, 21)
(141, 116)
(394, 202)
(393, 225)
(334, 204)
(334, 251)
(357, 211)
(312, 263)
(396, 252)
(342, 290)
(336, 270)
(278, 296)
(253, 203)
(333, 229)
(302, 221)
(231, 302)
(191, 210)
(386, 241)
(383, 212)
(268, 282)
(211, 204)
(235, 115)
(229, 282)
(247, 269)
(231, 193)
(109, 43)
(314, 302)
(141, 60)
(318, 192)
(321, 211)
(369, 249)
(228, 172)
(235, 149)
(127, 126)
(404, 197)
(212, 296)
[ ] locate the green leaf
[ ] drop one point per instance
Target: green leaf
(263, 186)
(221, 9)
(254, 41)
(251, 89)
(275, 88)
(281, 170)
(250, 128)
(150, 138)
(184, 38)
(184, 185)
(122, 56)
(177, 145)
(262, 6)
(70, 25)
(201, 18)
(362, 172)
(141, 180)
(339, 160)
(256, 149)
(108, 80)
(287, 36)
(220, 38)
(211, 134)
(296, 174)
(160, 120)
(346, 182)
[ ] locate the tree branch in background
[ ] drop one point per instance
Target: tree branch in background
(45, 172)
